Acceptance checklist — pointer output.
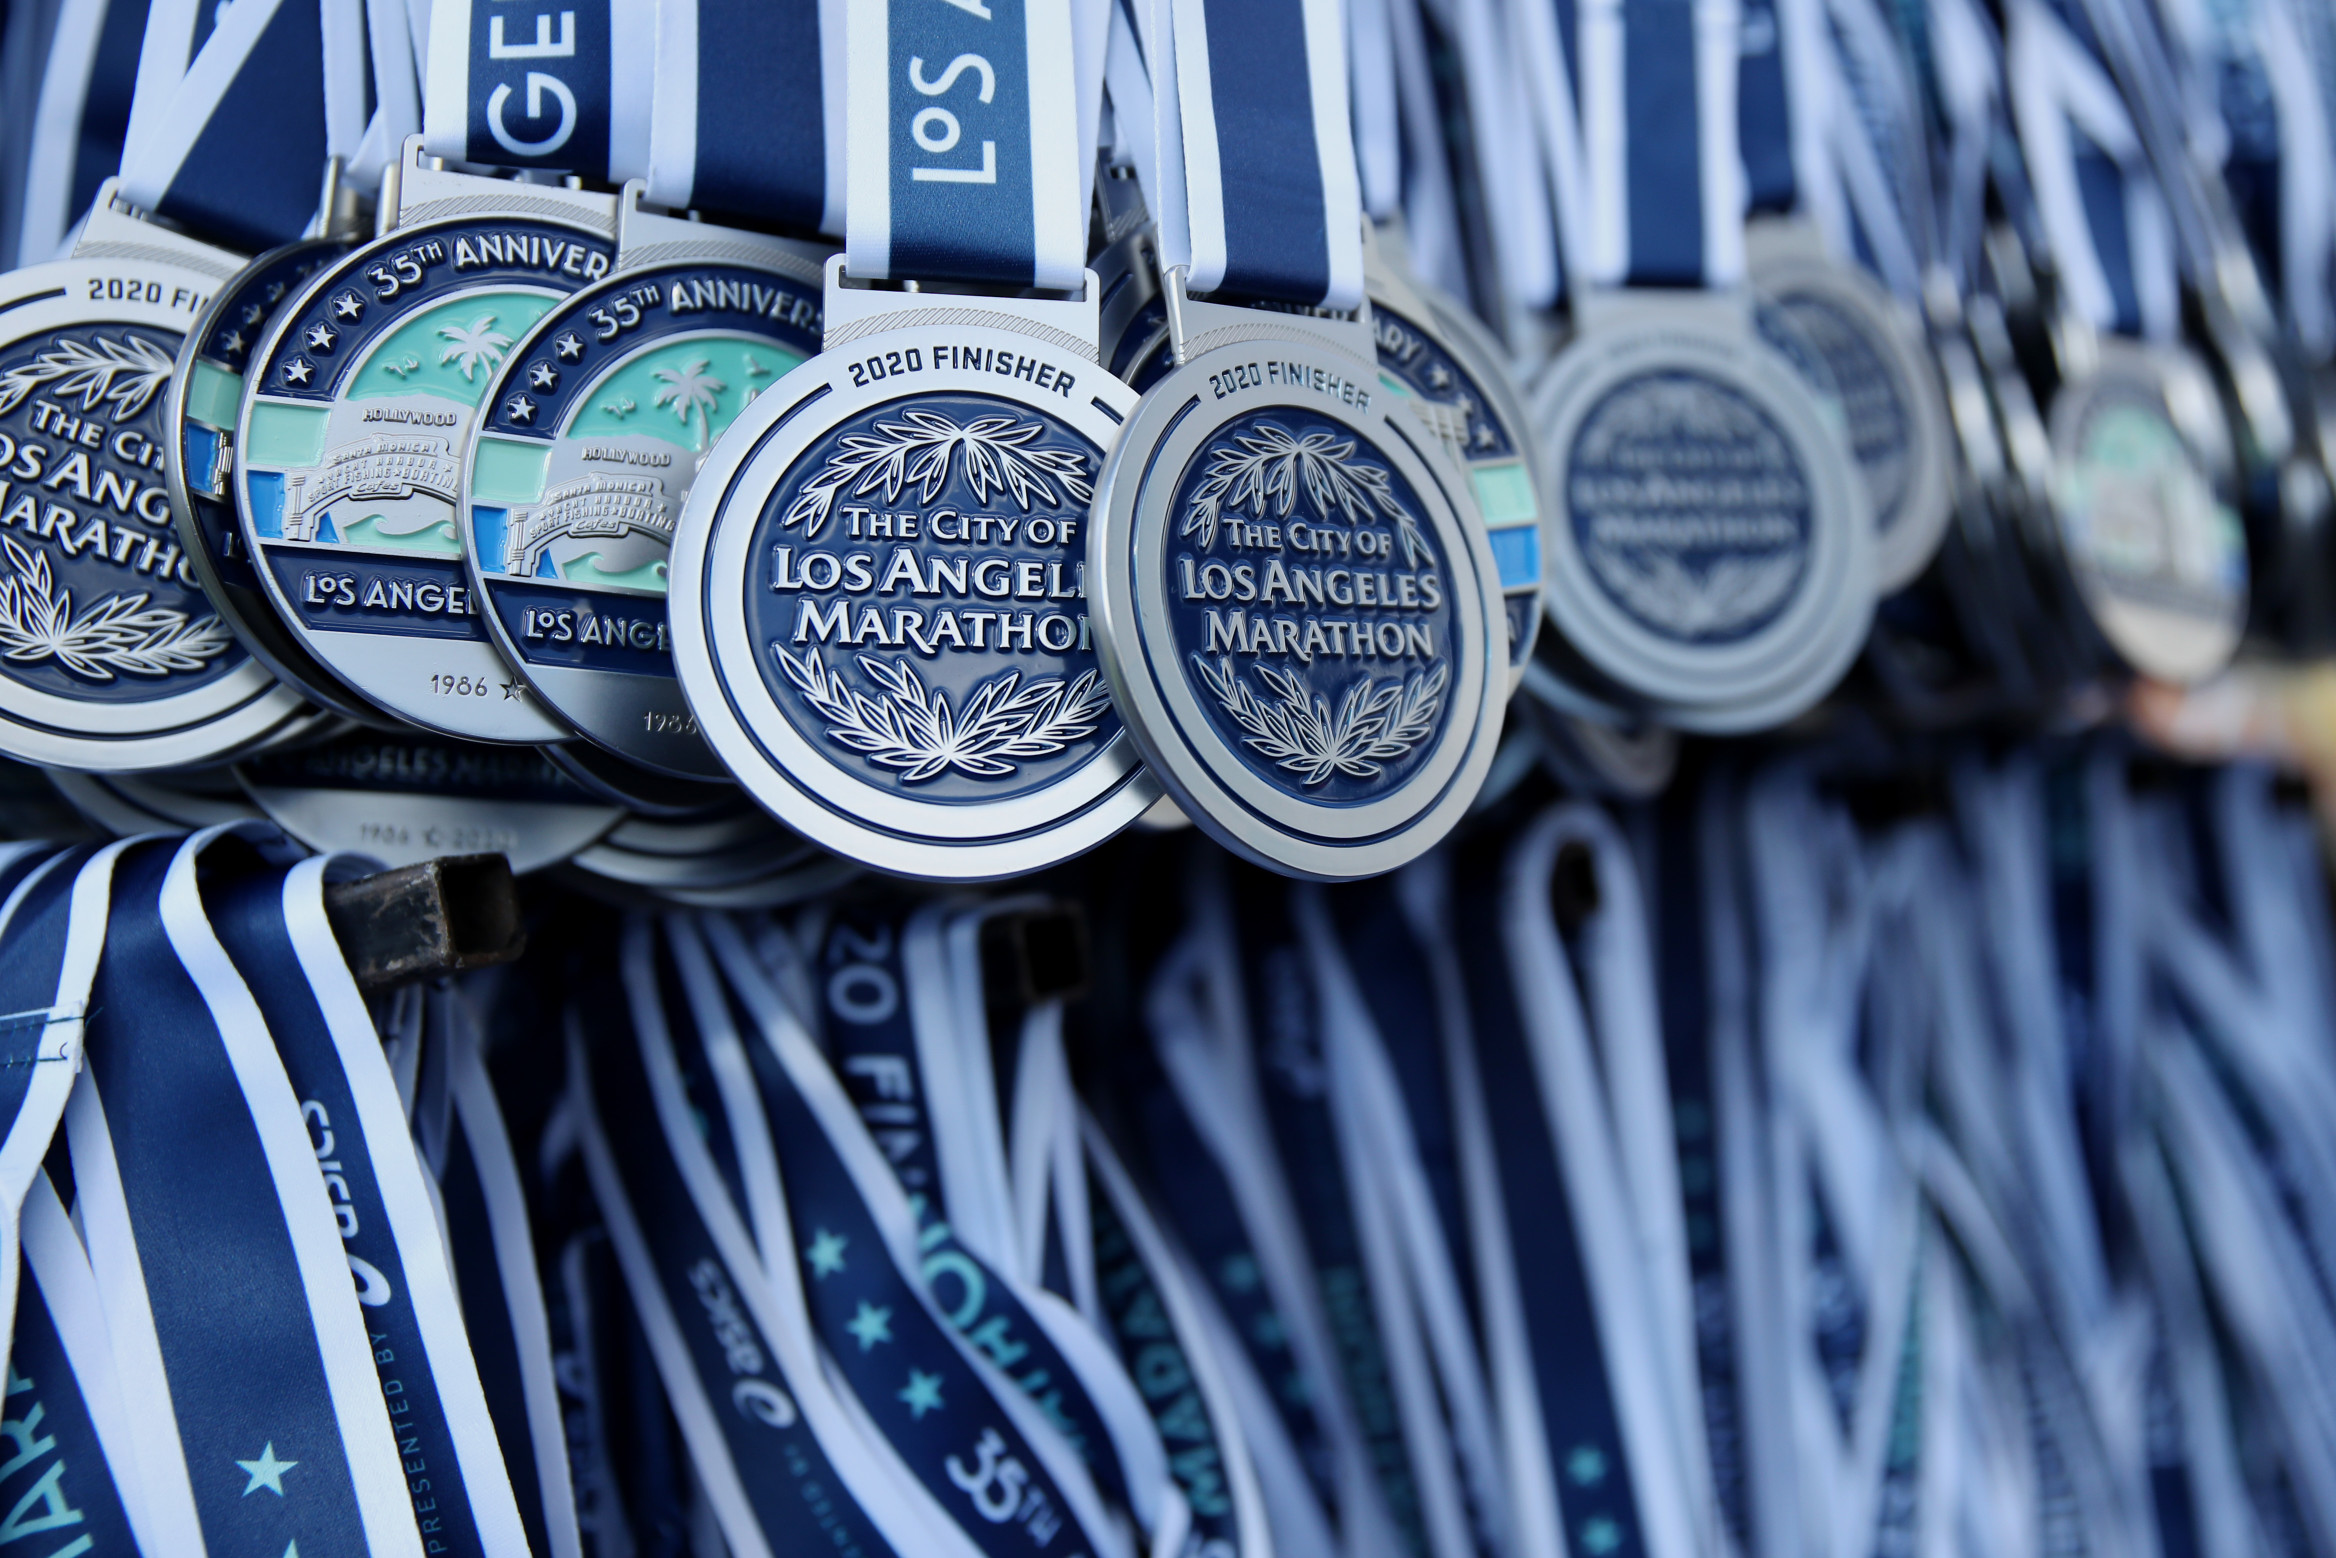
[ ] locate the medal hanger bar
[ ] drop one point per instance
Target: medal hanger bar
(646, 236)
(421, 188)
(1197, 325)
(858, 308)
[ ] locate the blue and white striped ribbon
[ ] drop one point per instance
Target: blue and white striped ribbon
(237, 111)
(548, 86)
(79, 114)
(748, 114)
(2096, 201)
(72, 1467)
(1658, 82)
(963, 151)
(959, 1418)
(1271, 202)
(273, 927)
(491, 1246)
(272, 1432)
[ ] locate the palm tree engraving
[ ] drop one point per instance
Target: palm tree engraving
(691, 390)
(476, 345)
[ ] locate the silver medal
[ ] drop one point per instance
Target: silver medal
(1301, 628)
(348, 447)
(1713, 551)
(111, 656)
(2158, 557)
(879, 613)
(406, 799)
(1453, 370)
(1892, 406)
(592, 433)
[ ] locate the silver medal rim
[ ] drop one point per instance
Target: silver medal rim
(601, 733)
(530, 834)
(1208, 778)
(1467, 342)
(1839, 580)
(178, 730)
(2175, 378)
(265, 638)
(543, 727)
(1904, 549)
(714, 652)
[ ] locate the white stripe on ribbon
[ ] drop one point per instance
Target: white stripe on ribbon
(158, 148)
(56, 132)
(384, 1504)
(413, 1219)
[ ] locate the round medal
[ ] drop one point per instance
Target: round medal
(879, 605)
(1452, 369)
(111, 657)
(2158, 558)
(1712, 550)
(1304, 636)
(204, 397)
(592, 434)
(348, 452)
(406, 799)
(1881, 372)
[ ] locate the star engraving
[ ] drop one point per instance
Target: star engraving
(511, 690)
(1439, 376)
(275, 293)
(349, 306)
(297, 371)
(521, 410)
(233, 344)
(266, 1472)
(253, 313)
(569, 346)
(827, 1253)
(923, 1393)
(321, 337)
(542, 375)
(871, 1325)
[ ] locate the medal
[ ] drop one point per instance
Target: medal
(2143, 534)
(347, 477)
(1713, 553)
(1304, 633)
(111, 656)
(406, 799)
(595, 424)
(878, 606)
(1452, 367)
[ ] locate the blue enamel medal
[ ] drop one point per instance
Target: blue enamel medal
(349, 442)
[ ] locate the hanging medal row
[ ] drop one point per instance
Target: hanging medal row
(708, 448)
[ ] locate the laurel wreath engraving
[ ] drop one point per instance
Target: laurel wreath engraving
(127, 373)
(1268, 466)
(918, 733)
(120, 633)
(917, 451)
(1376, 721)
(1725, 596)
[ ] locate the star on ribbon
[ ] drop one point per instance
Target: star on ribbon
(827, 1253)
(923, 1393)
(871, 1325)
(266, 1472)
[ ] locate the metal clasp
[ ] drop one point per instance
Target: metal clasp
(1196, 325)
(855, 309)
